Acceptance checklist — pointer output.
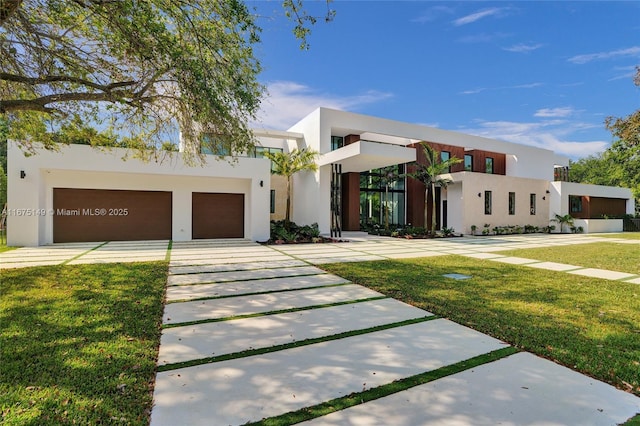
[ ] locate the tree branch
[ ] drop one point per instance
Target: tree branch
(64, 79)
(7, 9)
(40, 104)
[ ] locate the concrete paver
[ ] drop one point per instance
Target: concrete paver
(244, 305)
(518, 390)
(249, 389)
(553, 266)
(601, 273)
(244, 266)
(238, 288)
(219, 338)
(242, 275)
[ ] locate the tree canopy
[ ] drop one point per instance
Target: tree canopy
(141, 67)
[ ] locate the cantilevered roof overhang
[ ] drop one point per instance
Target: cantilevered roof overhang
(366, 155)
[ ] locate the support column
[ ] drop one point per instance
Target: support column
(351, 201)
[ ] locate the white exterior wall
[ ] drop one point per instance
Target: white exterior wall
(592, 226)
(561, 191)
(311, 203)
(455, 215)
(465, 208)
(79, 166)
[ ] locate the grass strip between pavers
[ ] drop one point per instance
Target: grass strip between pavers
(167, 257)
(400, 385)
(305, 342)
(281, 311)
(257, 268)
(320, 272)
(255, 293)
(84, 252)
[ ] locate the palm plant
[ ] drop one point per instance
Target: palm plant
(429, 174)
(561, 220)
(289, 163)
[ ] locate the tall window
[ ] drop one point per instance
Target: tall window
(376, 198)
(444, 156)
(336, 142)
(468, 163)
(273, 201)
(260, 150)
(213, 145)
(532, 204)
(487, 202)
(575, 203)
(512, 203)
(488, 165)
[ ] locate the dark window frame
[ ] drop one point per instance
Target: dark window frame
(532, 204)
(468, 167)
(575, 204)
(446, 154)
(272, 201)
(337, 142)
(488, 203)
(488, 165)
(512, 203)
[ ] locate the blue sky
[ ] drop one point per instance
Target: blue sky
(538, 73)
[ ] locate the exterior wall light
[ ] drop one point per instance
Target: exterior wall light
(479, 194)
(261, 183)
(22, 174)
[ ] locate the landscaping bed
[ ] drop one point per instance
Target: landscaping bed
(291, 233)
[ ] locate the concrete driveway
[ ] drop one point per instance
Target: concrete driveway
(252, 332)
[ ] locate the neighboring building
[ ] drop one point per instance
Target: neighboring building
(83, 194)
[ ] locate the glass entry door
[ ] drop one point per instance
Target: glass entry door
(382, 197)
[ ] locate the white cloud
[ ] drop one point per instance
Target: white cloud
(484, 89)
(627, 73)
(468, 19)
(432, 14)
(483, 38)
(555, 135)
(287, 102)
(522, 48)
(583, 59)
(554, 112)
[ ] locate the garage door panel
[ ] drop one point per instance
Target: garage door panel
(217, 215)
(111, 215)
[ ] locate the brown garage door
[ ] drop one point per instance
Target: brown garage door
(110, 215)
(216, 215)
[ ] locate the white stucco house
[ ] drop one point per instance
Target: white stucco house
(83, 194)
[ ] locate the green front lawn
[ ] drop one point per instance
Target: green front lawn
(624, 235)
(78, 344)
(611, 256)
(587, 324)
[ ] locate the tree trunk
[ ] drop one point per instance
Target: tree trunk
(287, 215)
(433, 209)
